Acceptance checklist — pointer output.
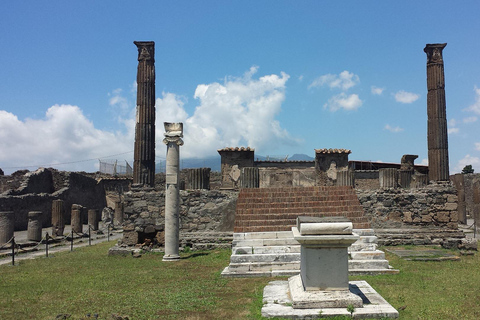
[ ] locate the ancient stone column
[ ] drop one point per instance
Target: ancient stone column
(76, 221)
(118, 214)
(144, 153)
(34, 228)
(346, 178)
(173, 135)
(93, 219)
(250, 178)
(405, 178)
(437, 114)
(199, 178)
(58, 218)
(7, 226)
(388, 177)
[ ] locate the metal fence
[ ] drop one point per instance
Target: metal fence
(114, 168)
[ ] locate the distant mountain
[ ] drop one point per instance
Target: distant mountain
(214, 162)
(300, 157)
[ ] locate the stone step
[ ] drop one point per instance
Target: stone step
(265, 267)
(263, 235)
(368, 255)
(276, 249)
(264, 242)
(270, 258)
(368, 264)
(358, 265)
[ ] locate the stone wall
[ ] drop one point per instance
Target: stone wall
(200, 211)
(432, 205)
(33, 195)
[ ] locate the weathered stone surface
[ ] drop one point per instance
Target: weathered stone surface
(34, 230)
(144, 153)
(437, 115)
(7, 220)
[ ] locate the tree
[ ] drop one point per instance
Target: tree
(467, 169)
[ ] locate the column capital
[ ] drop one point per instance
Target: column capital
(434, 52)
(173, 133)
(146, 50)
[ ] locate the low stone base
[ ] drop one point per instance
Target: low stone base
(278, 303)
(320, 299)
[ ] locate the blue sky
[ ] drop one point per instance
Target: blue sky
(283, 77)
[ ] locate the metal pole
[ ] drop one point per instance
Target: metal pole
(89, 238)
(46, 245)
(13, 250)
(108, 232)
(71, 242)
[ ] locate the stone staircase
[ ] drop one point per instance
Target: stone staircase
(276, 209)
(258, 254)
(263, 243)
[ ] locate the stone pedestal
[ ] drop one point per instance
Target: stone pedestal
(323, 279)
(76, 221)
(93, 219)
(388, 177)
(173, 135)
(250, 178)
(34, 228)
(199, 178)
(346, 178)
(7, 226)
(118, 214)
(58, 218)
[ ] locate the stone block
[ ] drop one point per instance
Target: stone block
(442, 216)
(130, 238)
(468, 244)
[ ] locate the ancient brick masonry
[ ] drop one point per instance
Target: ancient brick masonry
(276, 209)
(437, 115)
(144, 154)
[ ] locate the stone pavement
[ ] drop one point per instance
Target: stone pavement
(32, 250)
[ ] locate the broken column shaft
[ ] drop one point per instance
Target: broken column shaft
(173, 135)
(34, 227)
(58, 218)
(144, 153)
(437, 114)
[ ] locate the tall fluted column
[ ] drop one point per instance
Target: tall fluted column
(144, 154)
(437, 114)
(173, 135)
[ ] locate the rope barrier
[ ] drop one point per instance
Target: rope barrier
(3, 245)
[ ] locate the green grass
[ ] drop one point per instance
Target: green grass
(88, 281)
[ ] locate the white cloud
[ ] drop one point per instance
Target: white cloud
(453, 130)
(344, 81)
(406, 97)
(300, 78)
(63, 135)
(377, 91)
(239, 112)
(468, 159)
(393, 129)
(477, 146)
(470, 119)
(424, 162)
(476, 106)
(452, 127)
(343, 101)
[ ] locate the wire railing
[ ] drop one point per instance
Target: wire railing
(17, 248)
